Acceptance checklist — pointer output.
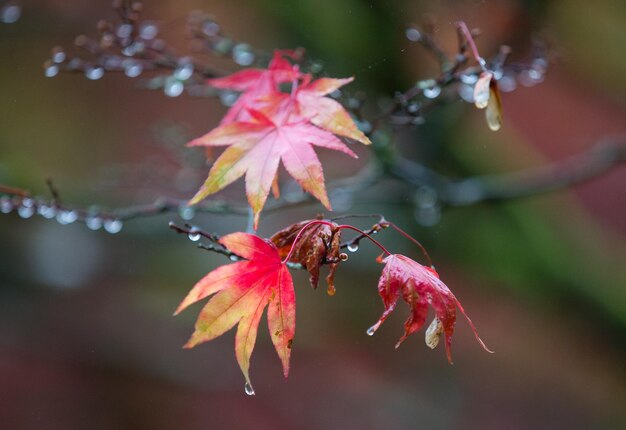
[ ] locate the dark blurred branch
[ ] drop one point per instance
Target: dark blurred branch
(559, 175)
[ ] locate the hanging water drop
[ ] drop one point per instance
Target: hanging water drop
(331, 290)
(58, 55)
(173, 87)
(413, 34)
(243, 55)
(148, 30)
(65, 217)
(228, 98)
(353, 247)
(194, 235)
(132, 69)
(124, 31)
(94, 73)
(248, 389)
(93, 222)
(46, 211)
(370, 331)
(25, 211)
(113, 226)
(51, 70)
(10, 13)
(5, 205)
(185, 70)
(432, 92)
(186, 212)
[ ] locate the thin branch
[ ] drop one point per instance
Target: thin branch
(559, 175)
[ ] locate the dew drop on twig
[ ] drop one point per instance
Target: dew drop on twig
(193, 235)
(248, 389)
(113, 226)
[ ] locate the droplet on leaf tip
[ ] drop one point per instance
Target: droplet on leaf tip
(370, 331)
(248, 389)
(331, 290)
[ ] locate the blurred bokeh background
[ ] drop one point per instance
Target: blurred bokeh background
(87, 339)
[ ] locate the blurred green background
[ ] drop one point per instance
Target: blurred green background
(86, 334)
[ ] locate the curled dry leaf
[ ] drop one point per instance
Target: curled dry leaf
(487, 96)
(419, 287)
(319, 244)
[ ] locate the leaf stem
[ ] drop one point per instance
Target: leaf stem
(470, 41)
(415, 241)
(377, 243)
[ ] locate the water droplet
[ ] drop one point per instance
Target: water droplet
(353, 247)
(507, 84)
(194, 235)
(413, 108)
(113, 226)
(466, 92)
(51, 70)
(28, 202)
(233, 258)
(531, 77)
(186, 212)
(370, 331)
(223, 46)
(248, 389)
(132, 69)
(93, 222)
(58, 55)
(173, 87)
(94, 73)
(184, 71)
(228, 98)
(243, 55)
(210, 28)
(469, 78)
(25, 211)
(10, 13)
(413, 34)
(65, 217)
(331, 290)
(46, 211)
(432, 92)
(5, 205)
(148, 30)
(124, 31)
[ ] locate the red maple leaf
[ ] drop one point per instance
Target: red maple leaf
(256, 148)
(256, 85)
(267, 126)
(419, 287)
(242, 291)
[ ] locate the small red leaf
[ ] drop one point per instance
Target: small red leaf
(419, 287)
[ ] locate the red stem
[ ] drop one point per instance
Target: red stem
(415, 241)
(377, 243)
(330, 224)
(470, 41)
